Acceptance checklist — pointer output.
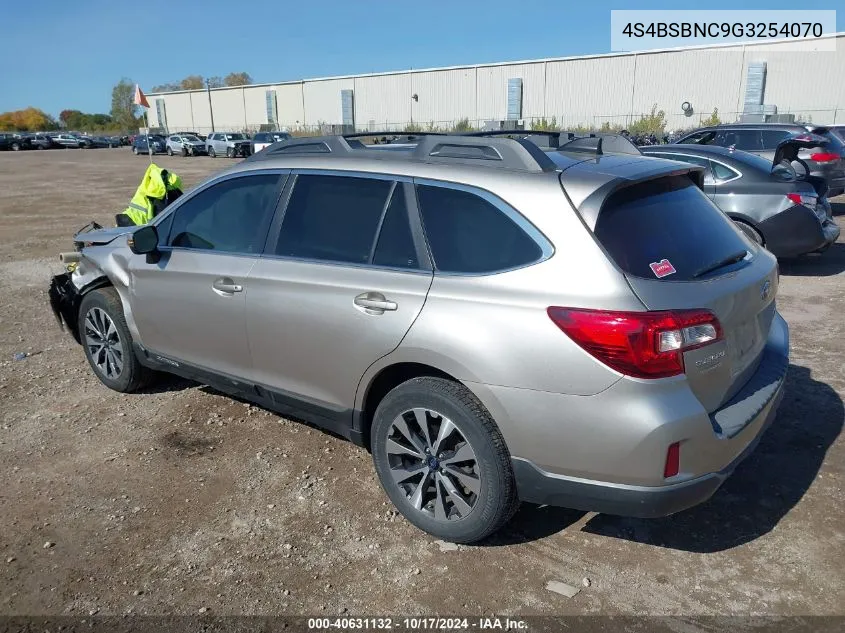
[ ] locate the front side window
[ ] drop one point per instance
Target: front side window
(232, 216)
(469, 234)
(333, 218)
(748, 140)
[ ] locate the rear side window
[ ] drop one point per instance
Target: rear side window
(723, 172)
(668, 219)
(771, 138)
(748, 140)
(333, 218)
(469, 234)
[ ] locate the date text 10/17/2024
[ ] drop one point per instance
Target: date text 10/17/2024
(417, 624)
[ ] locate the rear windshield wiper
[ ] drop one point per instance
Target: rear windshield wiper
(727, 261)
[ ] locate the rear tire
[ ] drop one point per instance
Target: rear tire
(16, 147)
(108, 343)
(750, 232)
(469, 490)
(135, 150)
(170, 151)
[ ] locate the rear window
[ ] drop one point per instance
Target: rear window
(665, 228)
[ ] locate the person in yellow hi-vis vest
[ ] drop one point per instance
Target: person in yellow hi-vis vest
(158, 188)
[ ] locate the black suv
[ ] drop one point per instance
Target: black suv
(826, 161)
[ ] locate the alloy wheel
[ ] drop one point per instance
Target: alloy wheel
(103, 342)
(433, 463)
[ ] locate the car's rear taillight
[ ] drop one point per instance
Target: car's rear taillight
(825, 157)
(639, 344)
(808, 200)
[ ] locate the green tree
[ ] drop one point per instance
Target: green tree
(545, 125)
(123, 109)
(215, 82)
(237, 79)
(713, 119)
(192, 82)
(653, 123)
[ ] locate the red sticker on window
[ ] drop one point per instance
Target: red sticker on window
(662, 268)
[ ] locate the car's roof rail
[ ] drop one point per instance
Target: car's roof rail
(600, 144)
(502, 153)
(543, 138)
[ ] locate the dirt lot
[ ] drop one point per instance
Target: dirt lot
(181, 499)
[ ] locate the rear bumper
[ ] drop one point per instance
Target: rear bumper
(797, 231)
(605, 453)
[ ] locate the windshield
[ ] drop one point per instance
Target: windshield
(191, 139)
(234, 137)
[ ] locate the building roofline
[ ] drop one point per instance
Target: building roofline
(387, 73)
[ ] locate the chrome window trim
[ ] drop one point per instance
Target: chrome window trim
(712, 160)
(547, 249)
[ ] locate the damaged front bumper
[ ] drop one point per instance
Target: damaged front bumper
(64, 301)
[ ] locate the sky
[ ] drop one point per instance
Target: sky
(56, 54)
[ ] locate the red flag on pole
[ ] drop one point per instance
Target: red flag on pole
(140, 98)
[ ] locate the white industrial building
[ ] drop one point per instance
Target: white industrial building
(780, 77)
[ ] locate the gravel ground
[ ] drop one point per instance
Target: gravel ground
(181, 499)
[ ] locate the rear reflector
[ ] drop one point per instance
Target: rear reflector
(808, 200)
(825, 157)
(639, 344)
(673, 460)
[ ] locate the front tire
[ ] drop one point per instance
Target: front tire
(108, 343)
(230, 152)
(170, 151)
(135, 150)
(211, 152)
(442, 461)
(16, 147)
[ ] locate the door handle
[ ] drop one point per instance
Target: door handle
(226, 285)
(375, 301)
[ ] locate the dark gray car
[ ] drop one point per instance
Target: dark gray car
(788, 214)
(825, 160)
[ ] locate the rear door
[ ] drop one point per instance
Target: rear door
(343, 279)
(671, 219)
(189, 306)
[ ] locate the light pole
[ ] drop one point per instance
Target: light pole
(210, 109)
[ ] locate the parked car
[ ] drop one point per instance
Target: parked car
(198, 135)
(380, 297)
(826, 160)
(767, 200)
(185, 144)
(18, 141)
(157, 144)
(69, 140)
(265, 139)
(43, 141)
(229, 144)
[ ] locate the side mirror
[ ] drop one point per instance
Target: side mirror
(144, 240)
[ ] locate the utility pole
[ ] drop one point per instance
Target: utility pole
(210, 109)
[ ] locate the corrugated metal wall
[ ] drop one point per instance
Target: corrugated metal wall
(579, 91)
(589, 91)
(322, 100)
(383, 102)
(444, 96)
(289, 99)
(492, 87)
(707, 79)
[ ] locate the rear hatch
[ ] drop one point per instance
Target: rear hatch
(678, 251)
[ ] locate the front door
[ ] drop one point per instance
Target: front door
(340, 286)
(189, 306)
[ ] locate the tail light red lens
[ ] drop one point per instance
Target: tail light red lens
(673, 460)
(802, 198)
(825, 157)
(639, 344)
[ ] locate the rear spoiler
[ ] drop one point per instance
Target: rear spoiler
(588, 187)
(600, 144)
